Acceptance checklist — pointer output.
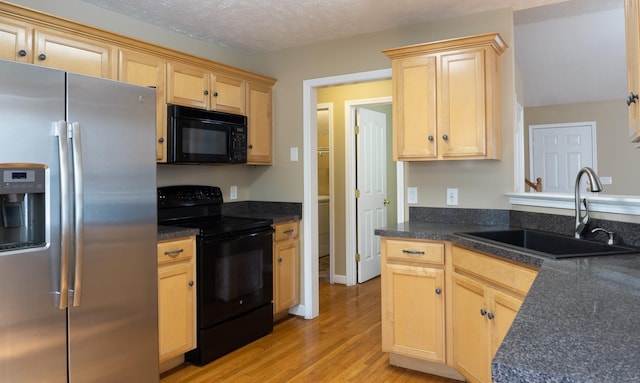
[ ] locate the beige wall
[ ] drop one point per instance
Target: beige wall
(614, 149)
(481, 184)
(338, 95)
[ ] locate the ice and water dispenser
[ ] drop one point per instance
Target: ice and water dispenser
(22, 206)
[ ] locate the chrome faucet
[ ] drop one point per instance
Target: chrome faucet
(596, 186)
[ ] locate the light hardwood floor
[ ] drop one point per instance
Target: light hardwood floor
(343, 344)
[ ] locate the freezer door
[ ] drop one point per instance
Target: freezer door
(113, 332)
(33, 344)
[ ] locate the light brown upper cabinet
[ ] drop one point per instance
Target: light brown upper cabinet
(24, 42)
(200, 88)
(632, 14)
(446, 99)
(259, 148)
(15, 40)
(148, 70)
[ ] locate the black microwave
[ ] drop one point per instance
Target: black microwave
(197, 136)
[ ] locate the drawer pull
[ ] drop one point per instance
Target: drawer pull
(173, 253)
(413, 252)
(288, 231)
(438, 291)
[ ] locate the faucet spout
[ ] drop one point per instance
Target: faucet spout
(596, 186)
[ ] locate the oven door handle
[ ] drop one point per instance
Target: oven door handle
(240, 235)
(271, 230)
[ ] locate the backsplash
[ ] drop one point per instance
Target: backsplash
(462, 216)
(625, 233)
(260, 207)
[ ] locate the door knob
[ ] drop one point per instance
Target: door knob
(386, 202)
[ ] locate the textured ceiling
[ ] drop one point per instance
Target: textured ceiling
(255, 26)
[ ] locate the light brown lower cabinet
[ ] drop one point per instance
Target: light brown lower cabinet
(487, 295)
(413, 299)
(286, 267)
(176, 297)
(445, 309)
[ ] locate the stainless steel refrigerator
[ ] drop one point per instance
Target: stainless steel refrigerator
(78, 274)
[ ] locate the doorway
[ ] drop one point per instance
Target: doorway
(310, 307)
(325, 173)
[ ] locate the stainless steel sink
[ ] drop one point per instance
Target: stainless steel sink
(548, 244)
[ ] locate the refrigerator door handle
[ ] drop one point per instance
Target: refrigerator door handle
(60, 129)
(78, 194)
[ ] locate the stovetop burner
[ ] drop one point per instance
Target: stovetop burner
(200, 207)
(223, 225)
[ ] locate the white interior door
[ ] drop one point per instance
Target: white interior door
(372, 183)
(559, 151)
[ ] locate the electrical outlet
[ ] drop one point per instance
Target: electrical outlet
(233, 192)
(452, 196)
(606, 180)
(412, 195)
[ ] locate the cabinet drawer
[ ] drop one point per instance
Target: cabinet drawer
(414, 251)
(503, 273)
(175, 250)
(286, 230)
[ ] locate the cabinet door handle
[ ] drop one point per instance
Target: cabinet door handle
(289, 231)
(430, 138)
(632, 98)
(215, 94)
(173, 253)
(280, 260)
(413, 252)
(490, 316)
(42, 57)
(22, 53)
(483, 312)
(190, 283)
(206, 92)
(438, 291)
(161, 139)
(445, 137)
(250, 146)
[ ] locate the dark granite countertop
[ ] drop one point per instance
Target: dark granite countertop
(579, 322)
(169, 232)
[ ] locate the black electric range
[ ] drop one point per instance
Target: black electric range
(234, 269)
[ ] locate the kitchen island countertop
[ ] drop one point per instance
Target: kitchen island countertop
(579, 322)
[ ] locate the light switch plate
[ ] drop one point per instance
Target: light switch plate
(412, 195)
(294, 154)
(233, 192)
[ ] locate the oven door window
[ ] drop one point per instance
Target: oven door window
(234, 276)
